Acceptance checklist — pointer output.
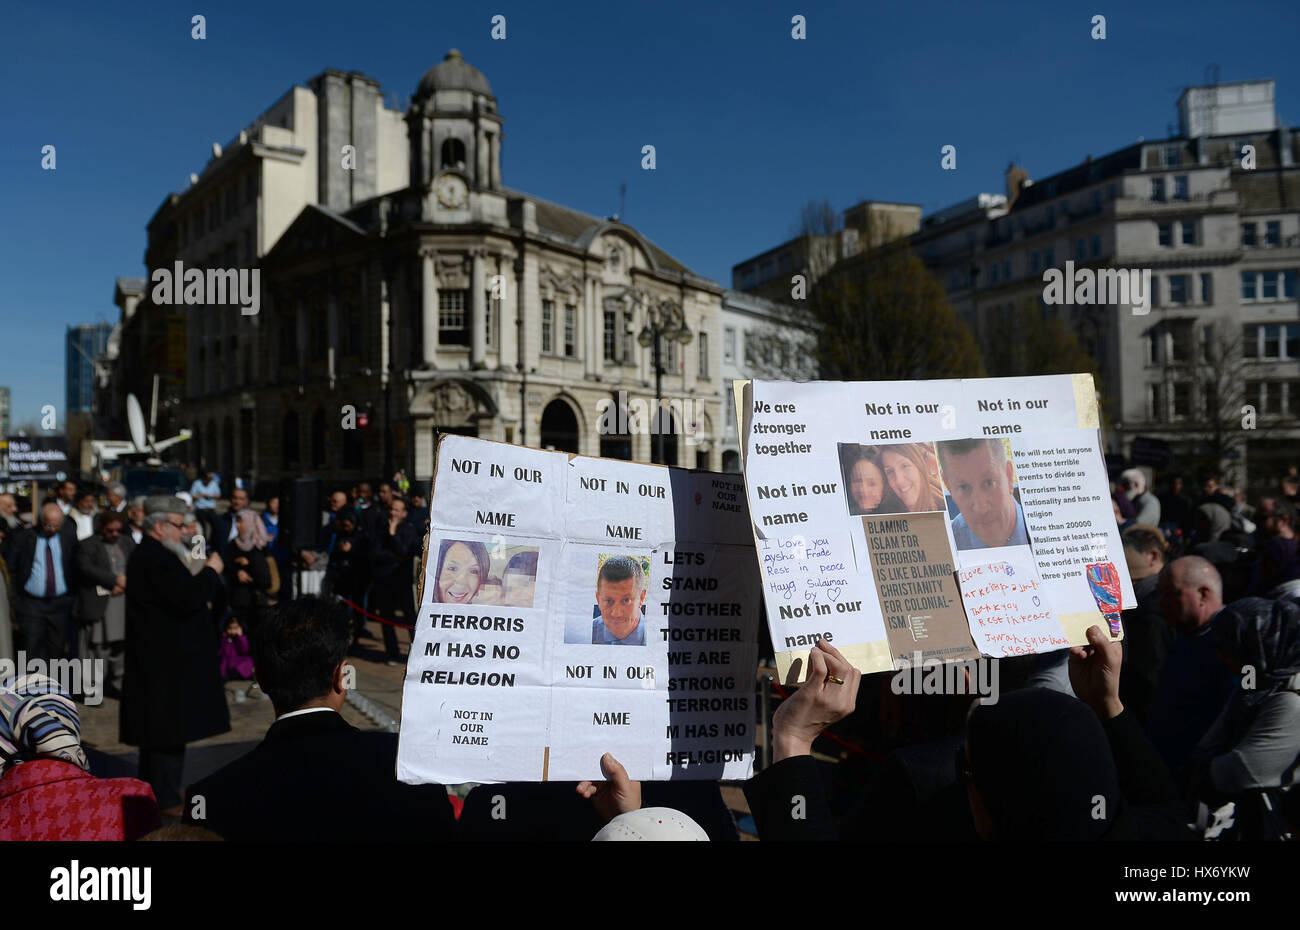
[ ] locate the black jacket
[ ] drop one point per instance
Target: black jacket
(317, 779)
(172, 692)
(23, 552)
(242, 595)
(1151, 809)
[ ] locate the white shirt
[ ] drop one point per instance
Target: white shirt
(64, 507)
(137, 535)
(305, 710)
(85, 524)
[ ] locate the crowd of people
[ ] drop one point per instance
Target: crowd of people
(1189, 727)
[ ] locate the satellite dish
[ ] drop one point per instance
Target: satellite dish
(135, 420)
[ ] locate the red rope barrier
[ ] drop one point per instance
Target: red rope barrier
(400, 626)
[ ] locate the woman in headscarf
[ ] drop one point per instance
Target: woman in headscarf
(912, 471)
(46, 789)
(248, 576)
(1255, 743)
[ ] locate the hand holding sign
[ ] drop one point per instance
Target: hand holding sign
(1094, 673)
(617, 795)
(829, 694)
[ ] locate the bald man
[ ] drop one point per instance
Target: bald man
(40, 564)
(1194, 683)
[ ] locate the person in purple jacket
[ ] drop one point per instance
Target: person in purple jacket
(235, 657)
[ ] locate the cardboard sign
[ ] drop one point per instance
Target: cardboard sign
(880, 507)
(573, 606)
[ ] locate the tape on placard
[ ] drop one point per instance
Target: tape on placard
(865, 657)
(546, 763)
(1085, 401)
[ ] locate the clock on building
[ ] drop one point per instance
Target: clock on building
(452, 192)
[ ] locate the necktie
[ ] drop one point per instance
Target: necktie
(50, 590)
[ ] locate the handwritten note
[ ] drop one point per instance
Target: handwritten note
(1007, 609)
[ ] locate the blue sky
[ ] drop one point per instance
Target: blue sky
(748, 123)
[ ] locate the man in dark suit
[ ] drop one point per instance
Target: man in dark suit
(315, 778)
(172, 692)
(393, 553)
(41, 566)
(101, 597)
(224, 526)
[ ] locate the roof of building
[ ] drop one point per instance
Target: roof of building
(453, 73)
(132, 286)
(577, 228)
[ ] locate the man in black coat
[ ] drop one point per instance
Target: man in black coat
(172, 692)
(315, 778)
(225, 527)
(394, 551)
(43, 598)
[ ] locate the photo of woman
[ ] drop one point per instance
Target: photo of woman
(912, 473)
(462, 571)
(865, 488)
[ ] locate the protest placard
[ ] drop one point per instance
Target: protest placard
(883, 510)
(573, 606)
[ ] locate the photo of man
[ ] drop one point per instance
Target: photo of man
(620, 599)
(978, 475)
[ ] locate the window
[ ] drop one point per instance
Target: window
(453, 154)
(1264, 285)
(1247, 234)
(1033, 261)
(548, 326)
(1153, 347)
(1268, 289)
(729, 344)
(570, 330)
(489, 318)
(1207, 291)
(1189, 232)
(1272, 399)
(1155, 291)
(1166, 234)
(1169, 156)
(611, 335)
(1096, 246)
(1272, 234)
(1080, 250)
(1178, 289)
(993, 273)
(1158, 189)
(1155, 402)
(704, 355)
(1271, 341)
(1180, 187)
(452, 330)
(1182, 396)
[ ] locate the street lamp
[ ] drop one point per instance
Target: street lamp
(664, 319)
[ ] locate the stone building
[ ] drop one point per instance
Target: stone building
(1216, 225)
(459, 305)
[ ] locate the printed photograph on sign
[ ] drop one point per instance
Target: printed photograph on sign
(983, 496)
(911, 473)
(472, 572)
(618, 613)
(865, 489)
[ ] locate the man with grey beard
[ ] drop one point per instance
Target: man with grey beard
(172, 692)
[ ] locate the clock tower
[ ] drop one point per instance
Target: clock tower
(455, 137)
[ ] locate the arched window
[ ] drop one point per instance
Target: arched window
(318, 439)
(453, 154)
(289, 449)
